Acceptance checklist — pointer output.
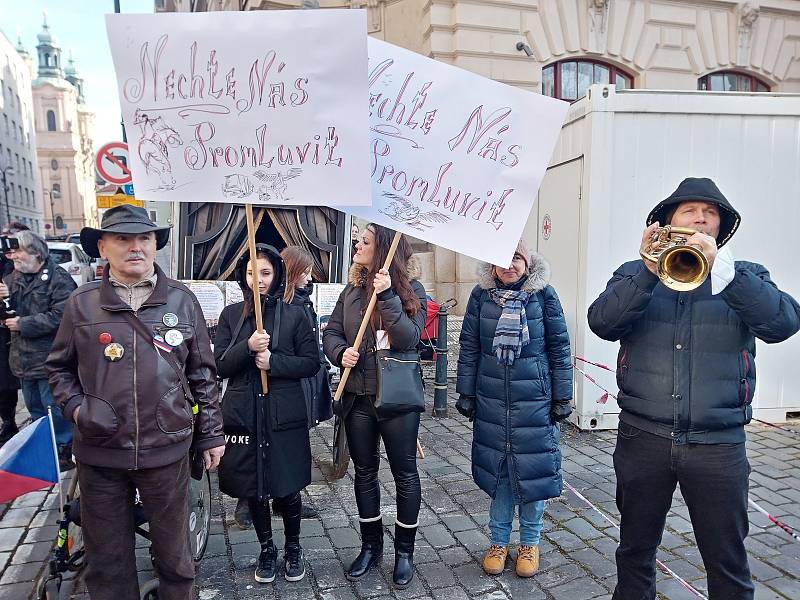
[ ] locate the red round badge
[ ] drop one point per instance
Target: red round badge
(105, 338)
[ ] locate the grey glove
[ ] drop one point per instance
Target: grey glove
(466, 406)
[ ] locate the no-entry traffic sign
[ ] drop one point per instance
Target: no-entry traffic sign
(112, 163)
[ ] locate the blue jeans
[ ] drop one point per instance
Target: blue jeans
(501, 514)
(38, 397)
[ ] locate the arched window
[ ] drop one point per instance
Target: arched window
(569, 79)
(51, 120)
(731, 81)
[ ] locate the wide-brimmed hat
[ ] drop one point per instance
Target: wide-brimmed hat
(125, 218)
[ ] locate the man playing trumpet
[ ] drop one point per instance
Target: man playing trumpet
(686, 376)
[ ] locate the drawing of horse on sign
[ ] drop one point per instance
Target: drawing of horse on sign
(157, 138)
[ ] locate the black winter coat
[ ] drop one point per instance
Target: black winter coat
(513, 403)
(686, 364)
(39, 300)
(340, 334)
(267, 450)
(316, 389)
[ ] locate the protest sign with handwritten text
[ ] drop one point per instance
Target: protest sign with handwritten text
(455, 159)
(265, 107)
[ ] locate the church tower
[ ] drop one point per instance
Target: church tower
(49, 53)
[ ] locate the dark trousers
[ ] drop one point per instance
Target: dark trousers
(290, 507)
(8, 404)
(107, 497)
(713, 480)
(399, 434)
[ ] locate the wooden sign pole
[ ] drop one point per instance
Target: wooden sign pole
(251, 243)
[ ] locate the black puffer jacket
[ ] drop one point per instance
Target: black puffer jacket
(513, 403)
(317, 389)
(686, 365)
(345, 320)
(267, 450)
(39, 300)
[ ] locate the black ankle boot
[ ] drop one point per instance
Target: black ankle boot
(371, 549)
(8, 430)
(403, 555)
(242, 516)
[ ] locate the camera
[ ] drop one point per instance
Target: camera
(8, 243)
(6, 311)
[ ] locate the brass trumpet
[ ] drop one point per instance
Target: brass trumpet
(679, 266)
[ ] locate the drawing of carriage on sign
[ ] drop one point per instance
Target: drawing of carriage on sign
(153, 149)
(270, 187)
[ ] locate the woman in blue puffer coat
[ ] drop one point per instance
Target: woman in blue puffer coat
(515, 381)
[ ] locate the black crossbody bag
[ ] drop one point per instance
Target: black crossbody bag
(400, 387)
(196, 463)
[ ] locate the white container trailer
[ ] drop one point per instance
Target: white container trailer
(619, 153)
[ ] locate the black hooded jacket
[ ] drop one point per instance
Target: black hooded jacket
(686, 365)
(267, 450)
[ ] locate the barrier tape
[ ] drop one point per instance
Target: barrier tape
(780, 524)
(685, 584)
(602, 399)
(794, 431)
(588, 362)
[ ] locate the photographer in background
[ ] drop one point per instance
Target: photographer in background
(9, 384)
(38, 289)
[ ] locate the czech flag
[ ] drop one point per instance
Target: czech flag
(29, 460)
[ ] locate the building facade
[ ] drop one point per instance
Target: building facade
(560, 47)
(64, 132)
(21, 199)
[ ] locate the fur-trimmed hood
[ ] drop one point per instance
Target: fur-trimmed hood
(358, 274)
(538, 274)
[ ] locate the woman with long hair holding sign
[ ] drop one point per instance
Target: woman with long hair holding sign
(395, 324)
(266, 436)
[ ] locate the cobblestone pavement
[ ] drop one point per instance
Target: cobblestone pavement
(577, 548)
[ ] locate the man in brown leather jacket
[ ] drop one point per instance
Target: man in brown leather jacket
(133, 421)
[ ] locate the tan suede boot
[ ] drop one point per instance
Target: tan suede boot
(494, 561)
(527, 561)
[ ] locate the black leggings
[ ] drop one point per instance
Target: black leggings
(291, 507)
(364, 432)
(8, 404)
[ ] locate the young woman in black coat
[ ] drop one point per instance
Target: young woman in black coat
(400, 311)
(299, 263)
(267, 443)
